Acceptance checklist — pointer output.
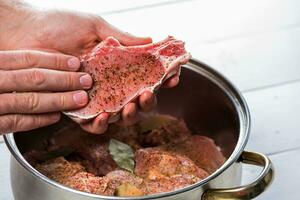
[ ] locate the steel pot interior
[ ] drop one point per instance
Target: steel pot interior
(204, 99)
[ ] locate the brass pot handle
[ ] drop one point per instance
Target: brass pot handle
(251, 190)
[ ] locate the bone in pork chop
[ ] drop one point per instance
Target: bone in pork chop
(122, 73)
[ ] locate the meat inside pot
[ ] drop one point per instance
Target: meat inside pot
(159, 154)
(164, 171)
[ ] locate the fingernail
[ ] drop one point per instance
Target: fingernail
(86, 81)
(74, 63)
(80, 98)
(103, 121)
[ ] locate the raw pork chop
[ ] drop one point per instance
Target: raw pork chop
(122, 73)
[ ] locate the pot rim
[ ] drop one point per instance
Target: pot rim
(197, 66)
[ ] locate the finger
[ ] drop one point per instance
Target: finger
(147, 101)
(23, 59)
(129, 114)
(29, 80)
(98, 126)
(104, 30)
(171, 82)
(16, 103)
(19, 122)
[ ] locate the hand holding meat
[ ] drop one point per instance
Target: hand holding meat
(69, 33)
(36, 85)
(121, 73)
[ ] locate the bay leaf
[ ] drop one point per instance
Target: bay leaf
(122, 154)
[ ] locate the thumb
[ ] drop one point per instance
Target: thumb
(104, 30)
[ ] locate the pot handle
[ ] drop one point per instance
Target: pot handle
(251, 190)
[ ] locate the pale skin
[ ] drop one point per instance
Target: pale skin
(38, 67)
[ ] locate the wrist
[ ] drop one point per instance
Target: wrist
(14, 15)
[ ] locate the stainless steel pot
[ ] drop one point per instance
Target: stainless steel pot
(210, 105)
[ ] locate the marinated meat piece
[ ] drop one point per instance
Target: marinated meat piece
(119, 177)
(34, 156)
(162, 129)
(125, 134)
(128, 190)
(202, 150)
(73, 137)
(70, 136)
(111, 184)
(95, 153)
(177, 158)
(125, 183)
(167, 184)
(94, 149)
(121, 73)
(88, 182)
(91, 150)
(59, 169)
(152, 163)
(97, 159)
(164, 171)
(74, 175)
(37, 156)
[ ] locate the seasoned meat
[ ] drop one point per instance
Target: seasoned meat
(92, 150)
(167, 184)
(97, 159)
(152, 163)
(118, 182)
(126, 134)
(70, 136)
(121, 73)
(164, 171)
(88, 182)
(74, 175)
(59, 169)
(162, 129)
(202, 150)
(34, 156)
(125, 183)
(175, 158)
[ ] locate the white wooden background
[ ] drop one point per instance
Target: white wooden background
(255, 43)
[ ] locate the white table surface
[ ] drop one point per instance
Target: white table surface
(254, 43)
